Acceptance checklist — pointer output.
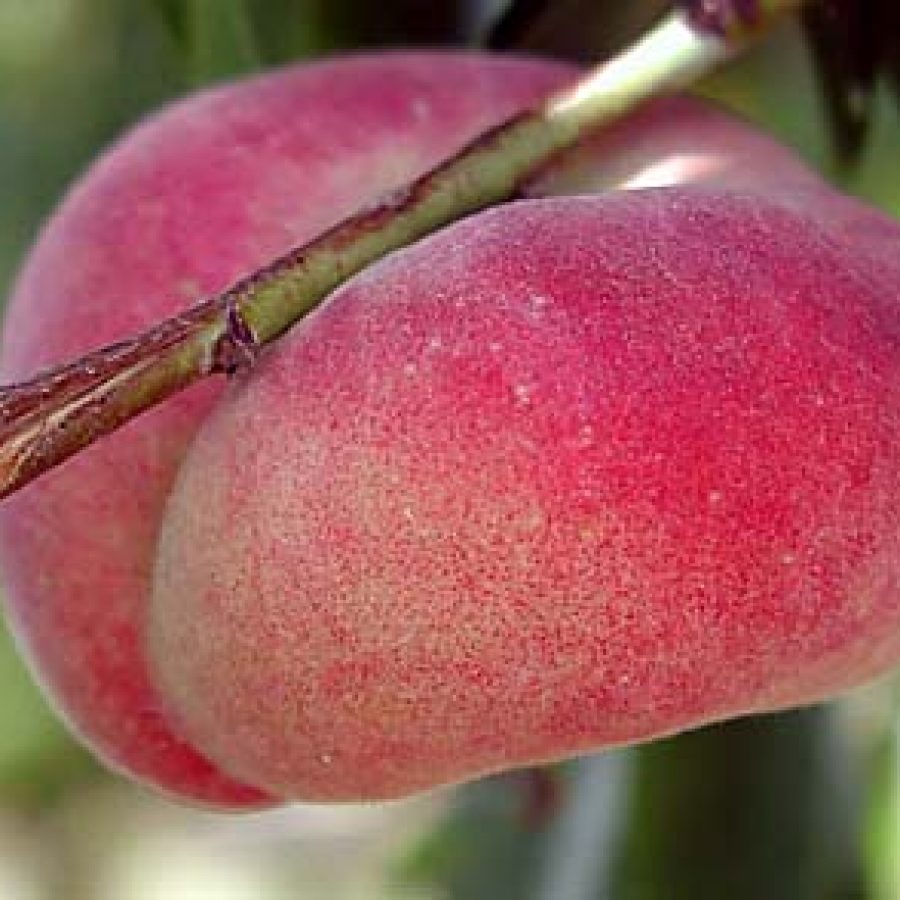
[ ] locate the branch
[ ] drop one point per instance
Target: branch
(48, 419)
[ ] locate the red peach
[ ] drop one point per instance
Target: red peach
(571, 473)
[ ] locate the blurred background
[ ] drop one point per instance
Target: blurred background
(801, 805)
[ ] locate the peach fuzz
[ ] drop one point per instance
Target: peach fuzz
(571, 473)
(191, 200)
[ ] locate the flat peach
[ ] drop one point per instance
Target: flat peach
(571, 473)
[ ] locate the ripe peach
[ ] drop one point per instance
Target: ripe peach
(573, 472)
(196, 197)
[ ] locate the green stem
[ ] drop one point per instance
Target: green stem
(48, 419)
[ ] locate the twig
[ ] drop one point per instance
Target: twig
(48, 419)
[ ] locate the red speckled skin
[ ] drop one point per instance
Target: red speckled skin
(571, 473)
(191, 200)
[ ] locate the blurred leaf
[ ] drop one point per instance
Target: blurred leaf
(877, 177)
(221, 39)
(287, 30)
(760, 807)
(853, 42)
(215, 38)
(486, 848)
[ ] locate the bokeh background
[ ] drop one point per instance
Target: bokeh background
(800, 805)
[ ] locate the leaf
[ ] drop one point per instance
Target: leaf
(288, 30)
(221, 39)
(215, 38)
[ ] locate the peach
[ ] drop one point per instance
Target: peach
(191, 200)
(574, 472)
